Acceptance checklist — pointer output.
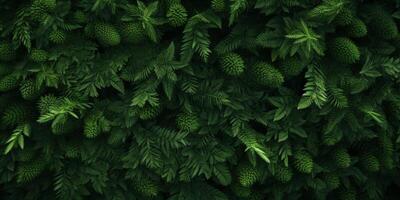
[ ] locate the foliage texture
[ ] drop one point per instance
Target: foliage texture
(199, 99)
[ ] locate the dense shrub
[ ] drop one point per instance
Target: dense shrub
(199, 99)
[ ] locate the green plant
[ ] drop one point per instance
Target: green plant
(266, 75)
(57, 36)
(344, 50)
(356, 28)
(199, 100)
(106, 34)
(303, 162)
(132, 32)
(247, 175)
(341, 158)
(232, 64)
(38, 55)
(177, 15)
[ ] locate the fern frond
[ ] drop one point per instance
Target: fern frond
(209, 94)
(314, 89)
(22, 28)
(236, 7)
(336, 97)
(196, 37)
(170, 139)
(190, 84)
(150, 151)
(327, 10)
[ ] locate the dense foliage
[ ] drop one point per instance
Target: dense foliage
(199, 99)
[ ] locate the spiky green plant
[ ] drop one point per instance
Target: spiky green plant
(247, 175)
(292, 67)
(132, 33)
(341, 158)
(369, 162)
(331, 180)
(303, 162)
(29, 90)
(177, 15)
(344, 18)
(149, 112)
(266, 75)
(46, 102)
(107, 34)
(232, 64)
(27, 171)
(58, 36)
(356, 29)
(8, 82)
(344, 50)
(38, 55)
(91, 128)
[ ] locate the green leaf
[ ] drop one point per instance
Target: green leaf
(251, 141)
(280, 113)
(283, 136)
(299, 131)
(21, 141)
(223, 174)
(117, 84)
(8, 148)
(170, 52)
(17, 137)
(333, 120)
(168, 87)
(27, 130)
(304, 102)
